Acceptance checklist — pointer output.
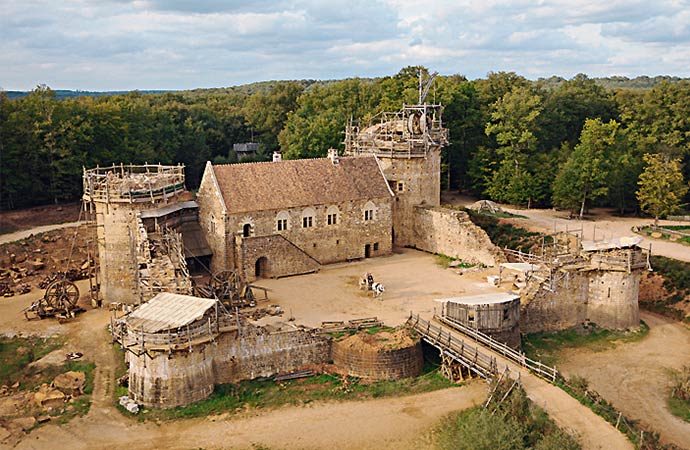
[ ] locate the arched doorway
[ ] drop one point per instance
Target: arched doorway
(247, 230)
(261, 267)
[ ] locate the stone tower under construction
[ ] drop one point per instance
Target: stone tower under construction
(408, 146)
(118, 196)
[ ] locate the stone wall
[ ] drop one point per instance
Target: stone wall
(281, 258)
(613, 299)
(325, 243)
(421, 185)
(254, 352)
(607, 298)
(449, 232)
(167, 380)
(213, 221)
(378, 364)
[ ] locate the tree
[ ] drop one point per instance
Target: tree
(583, 177)
(513, 123)
(661, 186)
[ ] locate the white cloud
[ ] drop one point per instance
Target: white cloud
(169, 44)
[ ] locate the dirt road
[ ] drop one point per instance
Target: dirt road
(636, 377)
(591, 430)
(23, 234)
(385, 423)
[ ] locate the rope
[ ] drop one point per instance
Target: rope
(74, 240)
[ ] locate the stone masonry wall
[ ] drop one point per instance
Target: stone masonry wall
(254, 353)
(565, 307)
(452, 233)
(325, 243)
(183, 377)
(282, 257)
(378, 365)
(421, 185)
(607, 298)
(613, 299)
(164, 382)
(212, 219)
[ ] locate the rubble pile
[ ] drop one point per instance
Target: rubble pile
(40, 259)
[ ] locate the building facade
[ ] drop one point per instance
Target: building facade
(281, 218)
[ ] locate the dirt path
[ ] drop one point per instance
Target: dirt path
(636, 377)
(591, 430)
(385, 423)
(23, 234)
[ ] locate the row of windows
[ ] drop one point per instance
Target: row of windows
(308, 218)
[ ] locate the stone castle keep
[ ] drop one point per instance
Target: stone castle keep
(283, 218)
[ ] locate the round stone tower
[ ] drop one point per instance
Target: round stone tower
(408, 146)
(116, 195)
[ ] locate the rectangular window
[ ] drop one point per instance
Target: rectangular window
(282, 224)
(307, 222)
(376, 246)
(369, 214)
(332, 219)
(401, 186)
(470, 316)
(506, 314)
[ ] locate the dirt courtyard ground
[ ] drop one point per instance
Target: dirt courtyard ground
(413, 280)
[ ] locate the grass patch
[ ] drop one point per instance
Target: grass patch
(547, 347)
(267, 394)
(515, 423)
(17, 353)
(679, 408)
(82, 404)
(506, 235)
(446, 261)
(647, 231)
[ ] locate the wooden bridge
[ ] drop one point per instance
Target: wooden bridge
(455, 349)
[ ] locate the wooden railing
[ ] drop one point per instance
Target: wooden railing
(546, 372)
(468, 355)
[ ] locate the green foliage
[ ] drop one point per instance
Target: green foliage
(584, 175)
(17, 353)
(506, 235)
(676, 273)
(515, 423)
(547, 347)
(510, 138)
(661, 186)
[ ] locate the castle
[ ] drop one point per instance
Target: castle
(283, 218)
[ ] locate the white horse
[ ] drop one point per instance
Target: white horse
(378, 289)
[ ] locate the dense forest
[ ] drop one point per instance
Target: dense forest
(569, 143)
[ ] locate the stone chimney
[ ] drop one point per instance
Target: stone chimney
(277, 156)
(333, 155)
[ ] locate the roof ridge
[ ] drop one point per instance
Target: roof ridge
(286, 160)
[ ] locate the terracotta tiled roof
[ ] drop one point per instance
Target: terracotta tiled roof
(298, 183)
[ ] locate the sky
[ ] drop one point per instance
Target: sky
(184, 44)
